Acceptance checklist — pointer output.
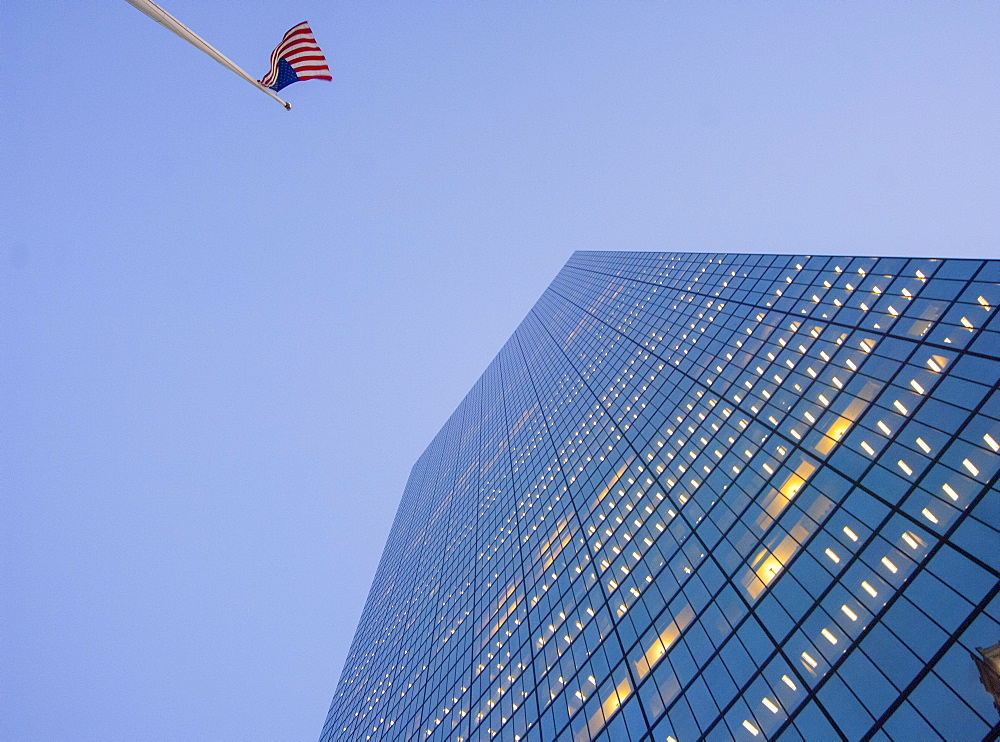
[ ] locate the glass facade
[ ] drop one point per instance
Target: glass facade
(704, 496)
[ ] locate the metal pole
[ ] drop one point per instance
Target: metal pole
(166, 20)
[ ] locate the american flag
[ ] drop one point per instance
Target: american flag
(296, 58)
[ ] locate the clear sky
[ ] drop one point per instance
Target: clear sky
(227, 331)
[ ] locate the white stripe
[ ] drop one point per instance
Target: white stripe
(298, 38)
(285, 51)
(293, 57)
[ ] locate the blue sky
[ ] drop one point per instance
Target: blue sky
(227, 331)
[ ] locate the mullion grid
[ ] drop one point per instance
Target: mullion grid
(795, 444)
(684, 283)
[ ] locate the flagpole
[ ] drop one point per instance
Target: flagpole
(166, 20)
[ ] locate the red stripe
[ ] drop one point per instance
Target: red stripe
(299, 42)
(306, 60)
(300, 49)
(298, 28)
(297, 38)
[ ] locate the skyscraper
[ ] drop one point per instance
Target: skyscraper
(704, 496)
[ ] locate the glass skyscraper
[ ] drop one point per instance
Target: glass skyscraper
(705, 496)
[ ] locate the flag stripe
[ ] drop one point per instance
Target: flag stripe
(294, 49)
(305, 57)
(306, 38)
(298, 39)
